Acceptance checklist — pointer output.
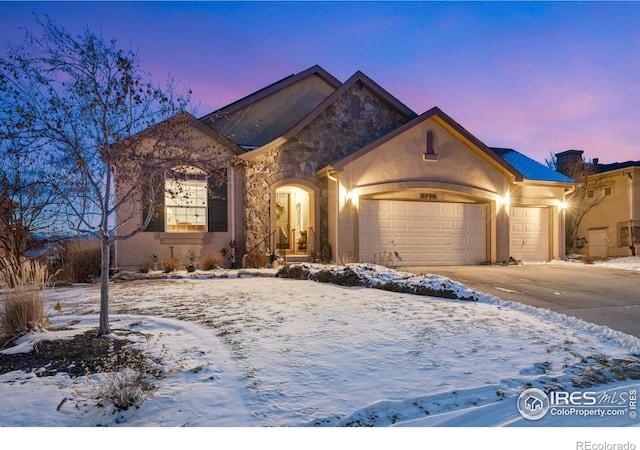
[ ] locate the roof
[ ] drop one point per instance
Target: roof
(600, 168)
(532, 170)
(262, 116)
(270, 89)
(184, 118)
(330, 100)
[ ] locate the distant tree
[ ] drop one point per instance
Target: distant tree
(29, 205)
(82, 102)
(584, 198)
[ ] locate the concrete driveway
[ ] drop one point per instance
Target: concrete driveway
(595, 294)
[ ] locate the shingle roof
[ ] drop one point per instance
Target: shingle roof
(600, 168)
(532, 170)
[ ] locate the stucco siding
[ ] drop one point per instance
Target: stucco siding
(613, 212)
(401, 160)
(199, 150)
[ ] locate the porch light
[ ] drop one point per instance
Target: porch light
(504, 201)
(351, 196)
(563, 205)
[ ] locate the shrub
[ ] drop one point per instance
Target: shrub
(170, 265)
(144, 267)
(128, 380)
(211, 261)
(257, 258)
(22, 307)
(22, 311)
(83, 264)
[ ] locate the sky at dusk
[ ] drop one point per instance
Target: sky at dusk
(537, 77)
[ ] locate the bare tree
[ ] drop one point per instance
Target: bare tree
(587, 195)
(83, 103)
(29, 206)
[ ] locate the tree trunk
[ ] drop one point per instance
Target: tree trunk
(104, 289)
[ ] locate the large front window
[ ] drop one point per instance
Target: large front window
(186, 199)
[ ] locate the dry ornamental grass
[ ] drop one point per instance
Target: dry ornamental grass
(21, 282)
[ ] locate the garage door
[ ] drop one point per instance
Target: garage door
(529, 237)
(422, 233)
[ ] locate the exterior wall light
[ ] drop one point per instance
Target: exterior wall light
(504, 201)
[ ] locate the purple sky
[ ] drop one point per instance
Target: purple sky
(536, 77)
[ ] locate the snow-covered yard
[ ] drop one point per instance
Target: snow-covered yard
(264, 351)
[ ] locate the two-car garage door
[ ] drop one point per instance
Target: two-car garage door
(432, 233)
(422, 233)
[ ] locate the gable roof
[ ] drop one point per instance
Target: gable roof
(532, 170)
(184, 118)
(357, 77)
(267, 113)
(272, 88)
(448, 122)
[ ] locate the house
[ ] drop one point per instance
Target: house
(609, 198)
(345, 172)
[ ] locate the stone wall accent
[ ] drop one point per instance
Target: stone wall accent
(331, 136)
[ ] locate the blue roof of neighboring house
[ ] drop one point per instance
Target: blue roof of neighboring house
(532, 170)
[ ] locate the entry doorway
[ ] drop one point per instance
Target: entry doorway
(294, 232)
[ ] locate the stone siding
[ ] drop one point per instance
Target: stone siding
(331, 136)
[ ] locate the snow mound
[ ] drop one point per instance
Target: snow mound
(380, 277)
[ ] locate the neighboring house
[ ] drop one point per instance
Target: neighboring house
(346, 172)
(612, 226)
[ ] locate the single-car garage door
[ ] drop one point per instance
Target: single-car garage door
(422, 233)
(529, 236)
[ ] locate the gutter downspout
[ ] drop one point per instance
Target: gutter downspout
(232, 184)
(334, 179)
(632, 241)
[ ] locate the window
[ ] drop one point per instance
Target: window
(624, 230)
(623, 234)
(607, 191)
(430, 153)
(186, 199)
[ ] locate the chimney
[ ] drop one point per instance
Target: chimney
(566, 160)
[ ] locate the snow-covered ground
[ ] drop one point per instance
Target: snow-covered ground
(626, 263)
(274, 352)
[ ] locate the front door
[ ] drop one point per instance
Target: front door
(293, 220)
(283, 215)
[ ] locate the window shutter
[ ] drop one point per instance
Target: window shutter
(157, 221)
(217, 188)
